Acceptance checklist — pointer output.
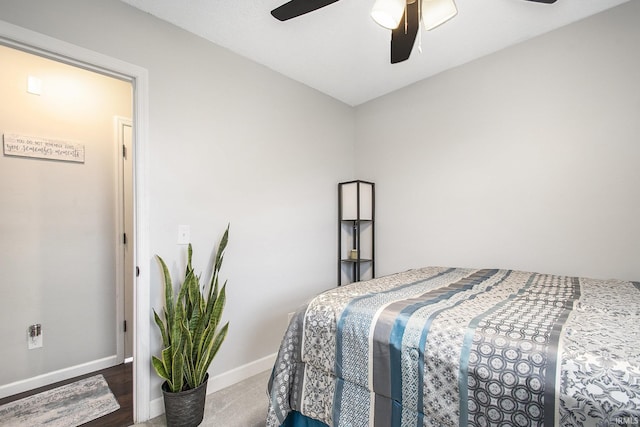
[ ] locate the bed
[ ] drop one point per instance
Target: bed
(444, 346)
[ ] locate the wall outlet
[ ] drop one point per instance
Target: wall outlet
(34, 336)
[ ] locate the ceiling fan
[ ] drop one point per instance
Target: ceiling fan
(402, 35)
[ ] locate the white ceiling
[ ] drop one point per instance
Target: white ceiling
(340, 51)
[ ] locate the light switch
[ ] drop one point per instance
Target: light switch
(184, 234)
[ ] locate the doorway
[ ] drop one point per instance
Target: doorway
(61, 217)
(38, 44)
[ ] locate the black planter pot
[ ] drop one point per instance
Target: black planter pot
(185, 408)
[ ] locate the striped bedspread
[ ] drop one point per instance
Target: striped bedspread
(464, 347)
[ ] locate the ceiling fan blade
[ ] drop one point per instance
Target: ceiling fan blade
(402, 39)
(544, 1)
(298, 7)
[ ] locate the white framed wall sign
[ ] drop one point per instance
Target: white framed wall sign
(42, 148)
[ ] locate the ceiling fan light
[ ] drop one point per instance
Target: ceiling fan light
(388, 13)
(437, 12)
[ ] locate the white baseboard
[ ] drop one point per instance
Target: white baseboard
(224, 380)
(55, 376)
(240, 373)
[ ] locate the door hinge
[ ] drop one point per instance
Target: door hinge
(137, 271)
(125, 326)
(124, 238)
(124, 151)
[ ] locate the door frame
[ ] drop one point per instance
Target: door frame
(39, 44)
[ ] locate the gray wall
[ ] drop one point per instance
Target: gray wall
(229, 141)
(526, 159)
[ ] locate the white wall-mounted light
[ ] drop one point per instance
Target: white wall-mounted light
(388, 13)
(34, 85)
(437, 12)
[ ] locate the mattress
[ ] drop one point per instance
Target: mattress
(443, 346)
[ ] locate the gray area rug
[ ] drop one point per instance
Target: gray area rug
(68, 405)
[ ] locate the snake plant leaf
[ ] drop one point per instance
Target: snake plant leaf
(207, 343)
(168, 291)
(189, 257)
(213, 345)
(218, 305)
(188, 363)
(221, 249)
(213, 315)
(160, 368)
(163, 329)
(222, 246)
(194, 297)
(217, 343)
(167, 359)
(167, 366)
(177, 374)
(195, 320)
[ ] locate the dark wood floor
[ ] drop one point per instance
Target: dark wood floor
(120, 380)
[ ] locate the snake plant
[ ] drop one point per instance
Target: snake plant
(190, 328)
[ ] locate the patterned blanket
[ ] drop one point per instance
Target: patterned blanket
(464, 347)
